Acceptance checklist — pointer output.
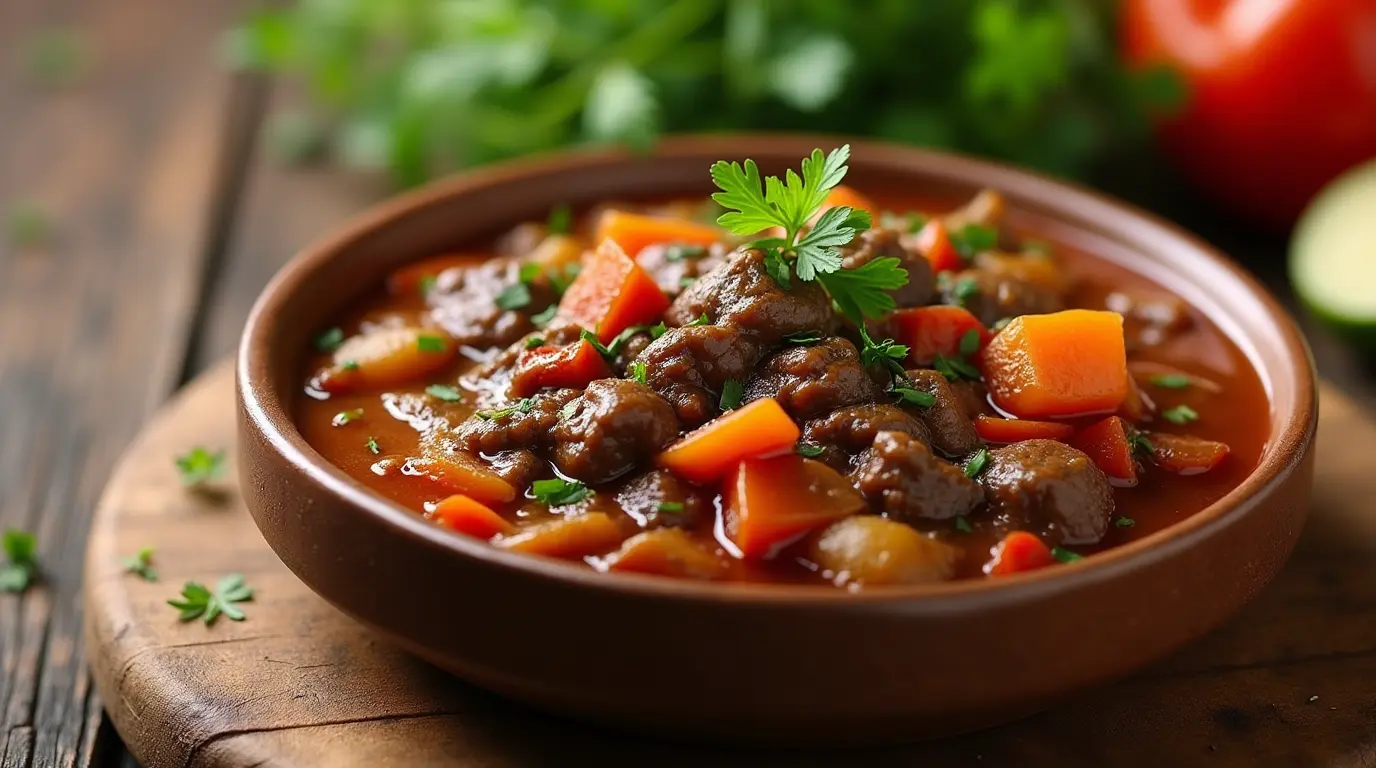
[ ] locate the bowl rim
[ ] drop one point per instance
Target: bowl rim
(1292, 428)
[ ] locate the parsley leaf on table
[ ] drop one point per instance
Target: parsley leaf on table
(199, 466)
(21, 560)
(199, 602)
(141, 564)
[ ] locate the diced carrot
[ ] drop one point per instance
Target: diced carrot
(935, 243)
(1018, 552)
(470, 517)
(843, 195)
(1106, 443)
(769, 503)
(935, 330)
(407, 280)
(570, 538)
(461, 473)
(386, 358)
(572, 366)
(1069, 363)
(666, 552)
(759, 429)
(994, 430)
(1185, 455)
(634, 231)
(612, 293)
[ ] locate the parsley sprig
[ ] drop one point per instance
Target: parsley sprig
(21, 560)
(200, 602)
(199, 466)
(141, 564)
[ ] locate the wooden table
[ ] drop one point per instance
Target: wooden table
(166, 220)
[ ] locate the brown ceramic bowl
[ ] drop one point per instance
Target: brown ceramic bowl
(762, 663)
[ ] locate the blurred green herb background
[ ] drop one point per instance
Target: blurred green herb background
(421, 87)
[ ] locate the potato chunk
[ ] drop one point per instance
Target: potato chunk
(386, 357)
(871, 550)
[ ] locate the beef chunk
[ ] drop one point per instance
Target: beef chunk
(901, 478)
(613, 426)
(518, 468)
(525, 424)
(741, 293)
(884, 243)
(464, 304)
(1049, 488)
(1006, 286)
(660, 498)
(952, 431)
(688, 367)
(812, 380)
(493, 379)
(630, 350)
(845, 432)
(672, 266)
(973, 398)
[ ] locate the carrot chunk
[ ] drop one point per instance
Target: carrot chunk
(842, 195)
(612, 293)
(1018, 552)
(666, 552)
(408, 280)
(761, 428)
(769, 503)
(461, 473)
(634, 231)
(470, 517)
(386, 358)
(936, 330)
(573, 366)
(1067, 363)
(1185, 455)
(934, 242)
(570, 538)
(1106, 443)
(993, 430)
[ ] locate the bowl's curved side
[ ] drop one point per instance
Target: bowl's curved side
(750, 662)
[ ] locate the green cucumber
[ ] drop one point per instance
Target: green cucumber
(1333, 254)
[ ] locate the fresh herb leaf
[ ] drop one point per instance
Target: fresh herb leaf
(804, 337)
(199, 466)
(329, 340)
(560, 220)
(530, 272)
(659, 329)
(809, 450)
(198, 602)
(1171, 381)
(429, 342)
(863, 292)
(349, 365)
(686, 282)
(557, 491)
(954, 368)
(1180, 414)
(542, 319)
(426, 284)
(445, 392)
(344, 417)
(1065, 555)
(778, 268)
(963, 525)
(513, 296)
(534, 342)
(701, 320)
(1140, 444)
(638, 371)
(670, 506)
(731, 394)
(524, 405)
(910, 396)
(141, 564)
(372, 446)
(676, 253)
(972, 239)
(969, 343)
(965, 289)
(21, 556)
(977, 463)
(568, 410)
(911, 222)
(887, 354)
(816, 251)
(1124, 522)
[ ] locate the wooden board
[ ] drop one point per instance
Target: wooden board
(1286, 683)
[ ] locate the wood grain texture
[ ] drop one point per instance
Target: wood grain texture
(297, 683)
(94, 324)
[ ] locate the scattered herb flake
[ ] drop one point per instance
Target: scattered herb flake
(524, 405)
(972, 239)
(543, 318)
(349, 365)
(560, 220)
(344, 417)
(969, 343)
(445, 392)
(141, 564)
(1002, 323)
(731, 394)
(963, 525)
(701, 320)
(198, 602)
(535, 341)
(809, 450)
(1140, 444)
(977, 463)
(670, 506)
(1064, 555)
(965, 289)
(530, 272)
(199, 466)
(910, 396)
(954, 368)
(21, 560)
(372, 446)
(429, 342)
(513, 296)
(804, 337)
(681, 252)
(1171, 381)
(568, 410)
(557, 491)
(887, 354)
(561, 280)
(1180, 414)
(329, 340)
(1124, 522)
(426, 284)
(658, 329)
(638, 371)
(686, 282)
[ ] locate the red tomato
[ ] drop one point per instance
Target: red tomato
(1282, 94)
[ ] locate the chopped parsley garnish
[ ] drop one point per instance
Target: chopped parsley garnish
(349, 365)
(670, 506)
(638, 371)
(804, 337)
(426, 284)
(910, 396)
(543, 318)
(568, 410)
(972, 239)
(911, 222)
(681, 252)
(330, 340)
(963, 525)
(700, 320)
(686, 282)
(954, 368)
(560, 219)
(372, 446)
(429, 342)
(887, 354)
(445, 392)
(513, 296)
(1140, 444)
(198, 602)
(969, 343)
(658, 329)
(1180, 414)
(1065, 555)
(562, 280)
(1124, 522)
(141, 564)
(731, 394)
(21, 560)
(809, 450)
(1171, 381)
(558, 491)
(1001, 323)
(199, 466)
(977, 463)
(524, 405)
(535, 341)
(965, 289)
(344, 417)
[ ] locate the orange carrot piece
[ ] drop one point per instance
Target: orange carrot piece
(470, 517)
(759, 429)
(571, 538)
(842, 195)
(934, 242)
(666, 552)
(1185, 455)
(573, 366)
(1069, 363)
(993, 430)
(407, 280)
(935, 330)
(1018, 552)
(769, 503)
(612, 293)
(1106, 443)
(634, 231)
(387, 357)
(461, 473)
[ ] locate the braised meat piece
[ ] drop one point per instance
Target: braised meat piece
(812, 380)
(518, 468)
(1049, 488)
(885, 243)
(1002, 286)
(741, 293)
(659, 498)
(952, 431)
(973, 398)
(610, 428)
(689, 366)
(465, 303)
(901, 478)
(673, 267)
(845, 432)
(524, 424)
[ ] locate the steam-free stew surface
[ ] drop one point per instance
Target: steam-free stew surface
(464, 388)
